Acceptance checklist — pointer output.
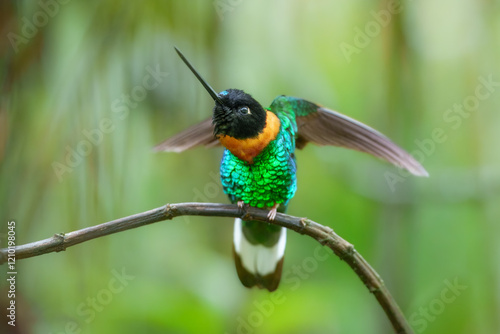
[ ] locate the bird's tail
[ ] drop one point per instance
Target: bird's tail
(259, 249)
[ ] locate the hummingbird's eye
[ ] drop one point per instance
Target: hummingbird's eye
(244, 110)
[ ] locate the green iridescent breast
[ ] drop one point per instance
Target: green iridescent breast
(270, 179)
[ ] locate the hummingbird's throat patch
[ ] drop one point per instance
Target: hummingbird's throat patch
(247, 149)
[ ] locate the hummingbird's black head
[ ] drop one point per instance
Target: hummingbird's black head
(238, 115)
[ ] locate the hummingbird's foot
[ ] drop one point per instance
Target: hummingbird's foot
(272, 213)
(241, 204)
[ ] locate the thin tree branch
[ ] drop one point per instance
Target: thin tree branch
(324, 235)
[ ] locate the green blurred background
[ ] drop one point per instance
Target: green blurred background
(76, 77)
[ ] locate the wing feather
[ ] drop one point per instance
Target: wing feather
(328, 127)
(196, 135)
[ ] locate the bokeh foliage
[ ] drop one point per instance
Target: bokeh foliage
(407, 74)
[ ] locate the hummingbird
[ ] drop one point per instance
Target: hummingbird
(258, 166)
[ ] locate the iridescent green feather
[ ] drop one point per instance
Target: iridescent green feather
(271, 178)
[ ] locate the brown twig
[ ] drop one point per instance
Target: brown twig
(324, 235)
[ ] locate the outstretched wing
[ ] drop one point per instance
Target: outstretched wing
(327, 127)
(199, 134)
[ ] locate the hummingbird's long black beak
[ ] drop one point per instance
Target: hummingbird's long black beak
(209, 89)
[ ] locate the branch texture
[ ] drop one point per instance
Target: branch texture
(324, 235)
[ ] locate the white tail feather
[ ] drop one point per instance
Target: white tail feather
(257, 259)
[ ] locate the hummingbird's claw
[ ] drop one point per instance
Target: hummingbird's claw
(272, 213)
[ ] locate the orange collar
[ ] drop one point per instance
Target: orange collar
(247, 149)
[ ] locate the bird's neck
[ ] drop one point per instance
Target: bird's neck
(247, 149)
